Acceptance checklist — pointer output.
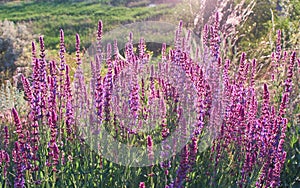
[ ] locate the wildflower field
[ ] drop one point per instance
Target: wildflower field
(192, 117)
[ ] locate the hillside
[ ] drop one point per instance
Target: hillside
(47, 18)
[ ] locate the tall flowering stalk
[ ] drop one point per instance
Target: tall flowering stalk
(33, 136)
(19, 127)
(69, 105)
(166, 164)
(183, 168)
(99, 97)
(4, 158)
(19, 165)
(193, 150)
(42, 78)
(52, 80)
(6, 137)
(53, 147)
(37, 97)
(27, 90)
(98, 57)
(62, 75)
(81, 100)
(33, 53)
(108, 85)
(134, 93)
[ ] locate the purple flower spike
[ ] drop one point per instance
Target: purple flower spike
(78, 60)
(288, 81)
(69, 106)
(33, 53)
(27, 89)
(42, 47)
(278, 47)
(193, 152)
(183, 167)
(4, 158)
(62, 68)
(18, 125)
(134, 93)
(6, 137)
(19, 165)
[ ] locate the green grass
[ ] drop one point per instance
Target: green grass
(47, 18)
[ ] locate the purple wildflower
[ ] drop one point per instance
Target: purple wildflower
(193, 148)
(33, 53)
(69, 106)
(27, 89)
(278, 47)
(108, 85)
(134, 93)
(19, 128)
(42, 78)
(53, 148)
(6, 137)
(4, 158)
(183, 168)
(288, 81)
(19, 165)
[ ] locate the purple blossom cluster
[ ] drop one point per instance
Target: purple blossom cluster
(252, 133)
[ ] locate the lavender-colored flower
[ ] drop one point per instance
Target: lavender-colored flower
(108, 88)
(99, 36)
(19, 165)
(53, 148)
(276, 172)
(33, 53)
(4, 158)
(19, 127)
(183, 168)
(241, 73)
(42, 78)
(99, 97)
(152, 88)
(288, 81)
(36, 92)
(62, 52)
(166, 151)
(27, 89)
(165, 130)
(200, 87)
(253, 73)
(77, 46)
(6, 137)
(62, 69)
(134, 93)
(215, 39)
(116, 51)
(178, 38)
(52, 92)
(81, 100)
(166, 164)
(69, 105)
(278, 47)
